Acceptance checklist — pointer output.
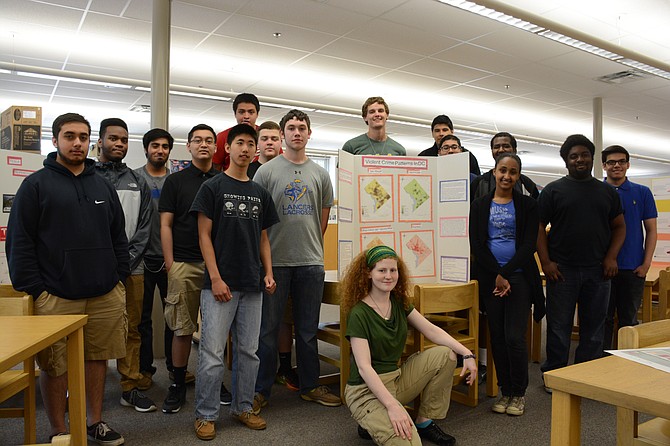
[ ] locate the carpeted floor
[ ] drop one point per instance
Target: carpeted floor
(292, 421)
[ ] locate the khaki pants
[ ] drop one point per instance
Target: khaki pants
(129, 366)
(430, 372)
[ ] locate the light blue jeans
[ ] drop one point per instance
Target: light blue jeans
(242, 316)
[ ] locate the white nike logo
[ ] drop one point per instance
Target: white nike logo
(99, 202)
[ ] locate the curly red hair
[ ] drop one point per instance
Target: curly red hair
(356, 284)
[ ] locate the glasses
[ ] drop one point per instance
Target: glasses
(198, 141)
(613, 163)
(447, 148)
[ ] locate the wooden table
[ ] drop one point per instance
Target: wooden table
(24, 336)
(650, 283)
(620, 382)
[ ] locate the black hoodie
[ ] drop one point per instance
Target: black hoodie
(66, 234)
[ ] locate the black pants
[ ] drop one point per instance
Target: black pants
(151, 281)
(508, 319)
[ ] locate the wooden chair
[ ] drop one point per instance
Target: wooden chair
(661, 309)
(333, 333)
(657, 430)
(13, 382)
(438, 303)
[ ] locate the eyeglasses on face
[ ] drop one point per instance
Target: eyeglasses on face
(613, 163)
(451, 147)
(198, 141)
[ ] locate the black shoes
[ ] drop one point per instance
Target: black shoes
(225, 397)
(434, 434)
(176, 398)
(365, 435)
(104, 435)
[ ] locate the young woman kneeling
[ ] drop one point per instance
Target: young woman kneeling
(377, 299)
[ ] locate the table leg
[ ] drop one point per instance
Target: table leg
(626, 426)
(30, 427)
(565, 419)
(76, 386)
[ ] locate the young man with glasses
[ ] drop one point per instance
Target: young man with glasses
(181, 252)
(441, 127)
(449, 145)
(637, 251)
(502, 142)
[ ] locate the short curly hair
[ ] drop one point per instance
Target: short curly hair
(356, 284)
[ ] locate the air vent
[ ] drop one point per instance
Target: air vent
(622, 77)
(141, 108)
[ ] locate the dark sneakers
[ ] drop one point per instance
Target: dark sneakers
(434, 434)
(288, 378)
(176, 398)
(365, 435)
(225, 396)
(102, 434)
(135, 398)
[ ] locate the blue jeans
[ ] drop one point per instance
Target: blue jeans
(305, 285)
(625, 300)
(242, 315)
(584, 286)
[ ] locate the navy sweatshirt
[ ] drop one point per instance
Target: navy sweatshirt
(66, 234)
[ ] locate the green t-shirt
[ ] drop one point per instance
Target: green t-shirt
(386, 339)
(363, 145)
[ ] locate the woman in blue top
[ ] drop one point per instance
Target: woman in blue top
(503, 236)
(377, 299)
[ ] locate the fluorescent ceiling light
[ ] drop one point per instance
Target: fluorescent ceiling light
(555, 36)
(3, 71)
(72, 79)
(199, 95)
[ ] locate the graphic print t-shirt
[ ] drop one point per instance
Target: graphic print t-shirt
(502, 232)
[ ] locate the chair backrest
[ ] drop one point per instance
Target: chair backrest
(663, 293)
(16, 306)
(429, 299)
(7, 290)
(643, 335)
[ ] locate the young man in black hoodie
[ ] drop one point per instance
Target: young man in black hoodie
(67, 247)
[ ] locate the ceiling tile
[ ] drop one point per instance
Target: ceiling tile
(197, 18)
(258, 30)
(374, 54)
(438, 69)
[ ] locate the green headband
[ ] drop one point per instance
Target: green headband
(379, 252)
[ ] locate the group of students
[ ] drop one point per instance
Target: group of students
(235, 249)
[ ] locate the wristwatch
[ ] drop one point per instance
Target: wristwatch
(470, 356)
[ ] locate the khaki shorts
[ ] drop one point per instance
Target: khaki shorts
(185, 282)
(104, 333)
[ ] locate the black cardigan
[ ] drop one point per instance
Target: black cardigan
(485, 265)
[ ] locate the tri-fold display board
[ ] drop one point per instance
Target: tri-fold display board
(418, 206)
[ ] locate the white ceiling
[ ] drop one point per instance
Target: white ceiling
(423, 57)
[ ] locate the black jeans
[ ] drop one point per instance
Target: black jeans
(151, 281)
(508, 319)
(625, 299)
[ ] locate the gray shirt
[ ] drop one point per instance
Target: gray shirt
(300, 192)
(154, 252)
(364, 145)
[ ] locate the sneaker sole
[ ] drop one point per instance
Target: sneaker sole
(171, 410)
(225, 403)
(118, 442)
(499, 409)
(125, 403)
(514, 414)
(323, 403)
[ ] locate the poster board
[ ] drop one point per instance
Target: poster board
(660, 188)
(14, 167)
(419, 206)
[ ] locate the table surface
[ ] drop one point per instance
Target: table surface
(24, 336)
(617, 381)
